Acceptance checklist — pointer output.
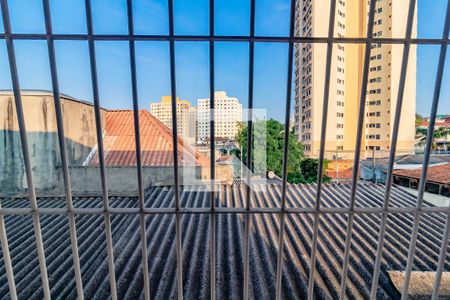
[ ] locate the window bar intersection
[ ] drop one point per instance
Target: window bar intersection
(393, 148)
(100, 149)
(426, 157)
(137, 134)
(282, 229)
(221, 38)
(323, 133)
(226, 210)
(25, 150)
(35, 211)
(359, 133)
(62, 149)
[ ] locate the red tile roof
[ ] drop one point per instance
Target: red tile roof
(437, 124)
(342, 174)
(156, 142)
(439, 174)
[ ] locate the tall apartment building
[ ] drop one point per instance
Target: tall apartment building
(163, 112)
(312, 18)
(227, 112)
(193, 125)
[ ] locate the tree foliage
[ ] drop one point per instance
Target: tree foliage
(299, 168)
(419, 120)
(438, 133)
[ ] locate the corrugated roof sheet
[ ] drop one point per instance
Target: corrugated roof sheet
(230, 241)
(439, 174)
(156, 142)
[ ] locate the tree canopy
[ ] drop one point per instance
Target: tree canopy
(299, 168)
(438, 133)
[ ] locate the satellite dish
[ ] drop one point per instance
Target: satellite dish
(271, 175)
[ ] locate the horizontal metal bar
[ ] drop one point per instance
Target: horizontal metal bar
(225, 210)
(223, 38)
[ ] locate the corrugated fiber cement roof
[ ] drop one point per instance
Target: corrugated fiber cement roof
(230, 241)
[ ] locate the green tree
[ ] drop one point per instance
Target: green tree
(438, 133)
(309, 168)
(419, 120)
(274, 151)
(441, 132)
(274, 145)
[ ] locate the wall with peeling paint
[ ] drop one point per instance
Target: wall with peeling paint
(42, 134)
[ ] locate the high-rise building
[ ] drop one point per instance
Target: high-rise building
(227, 113)
(163, 112)
(312, 18)
(193, 125)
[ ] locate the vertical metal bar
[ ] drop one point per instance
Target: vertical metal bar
(389, 178)
(101, 156)
(426, 155)
(173, 89)
(285, 153)
(442, 257)
(62, 148)
(362, 106)
(137, 137)
(212, 239)
(251, 62)
(323, 133)
(7, 259)
(25, 150)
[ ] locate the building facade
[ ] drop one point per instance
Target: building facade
(163, 112)
(227, 115)
(193, 125)
(312, 18)
(42, 134)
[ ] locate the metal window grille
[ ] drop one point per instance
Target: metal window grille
(283, 210)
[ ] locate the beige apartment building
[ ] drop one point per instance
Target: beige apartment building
(193, 125)
(346, 74)
(163, 112)
(227, 115)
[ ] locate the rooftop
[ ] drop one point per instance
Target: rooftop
(439, 174)
(437, 124)
(230, 240)
(407, 161)
(156, 142)
(32, 92)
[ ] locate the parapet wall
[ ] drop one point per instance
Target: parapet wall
(86, 180)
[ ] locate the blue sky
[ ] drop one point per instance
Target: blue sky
(192, 58)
